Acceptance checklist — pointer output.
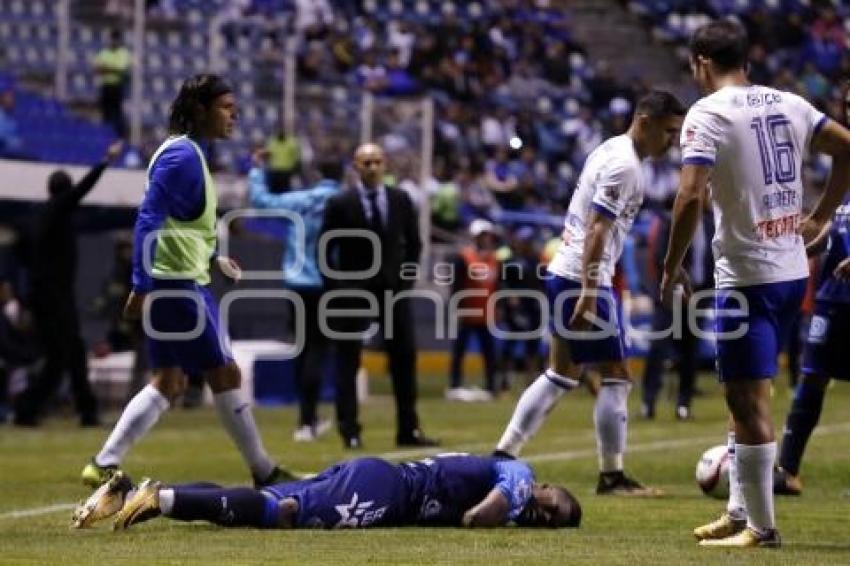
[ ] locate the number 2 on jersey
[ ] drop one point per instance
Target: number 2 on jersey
(776, 148)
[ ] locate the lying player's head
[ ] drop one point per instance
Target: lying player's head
(550, 506)
(205, 107)
(717, 48)
(657, 121)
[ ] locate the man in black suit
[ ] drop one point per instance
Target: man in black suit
(388, 217)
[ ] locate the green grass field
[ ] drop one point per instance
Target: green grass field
(40, 470)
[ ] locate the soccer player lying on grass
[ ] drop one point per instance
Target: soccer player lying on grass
(447, 490)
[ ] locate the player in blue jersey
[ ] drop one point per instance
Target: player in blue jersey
(175, 243)
(825, 356)
(446, 490)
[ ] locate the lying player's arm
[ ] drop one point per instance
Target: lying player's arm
(687, 210)
(832, 139)
(492, 511)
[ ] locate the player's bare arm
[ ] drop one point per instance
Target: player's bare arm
(686, 214)
(819, 243)
(834, 140)
(598, 230)
(492, 511)
(133, 306)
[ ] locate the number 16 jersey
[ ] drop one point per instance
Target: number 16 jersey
(754, 137)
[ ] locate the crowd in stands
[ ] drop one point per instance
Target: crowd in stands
(518, 106)
(796, 45)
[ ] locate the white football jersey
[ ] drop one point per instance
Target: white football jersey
(612, 184)
(754, 137)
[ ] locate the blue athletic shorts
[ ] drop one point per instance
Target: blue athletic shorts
(360, 493)
(607, 343)
(770, 313)
(183, 314)
(829, 334)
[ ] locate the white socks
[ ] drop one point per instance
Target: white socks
(238, 418)
(535, 403)
(735, 506)
(139, 416)
(166, 501)
(755, 473)
(610, 416)
(144, 410)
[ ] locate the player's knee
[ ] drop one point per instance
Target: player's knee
(171, 383)
(224, 378)
(616, 371)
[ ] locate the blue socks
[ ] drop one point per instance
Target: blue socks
(802, 419)
(229, 507)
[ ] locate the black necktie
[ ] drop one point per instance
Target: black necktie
(375, 220)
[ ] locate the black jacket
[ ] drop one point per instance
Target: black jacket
(54, 260)
(400, 241)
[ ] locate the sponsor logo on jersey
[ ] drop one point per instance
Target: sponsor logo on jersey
(763, 99)
(612, 192)
(777, 227)
(358, 513)
(817, 329)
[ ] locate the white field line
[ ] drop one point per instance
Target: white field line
(35, 511)
(656, 446)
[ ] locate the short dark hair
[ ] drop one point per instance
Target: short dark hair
(59, 182)
(330, 169)
(659, 104)
(724, 42)
(200, 89)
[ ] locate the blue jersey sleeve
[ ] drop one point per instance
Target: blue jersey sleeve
(514, 479)
(261, 197)
(176, 189)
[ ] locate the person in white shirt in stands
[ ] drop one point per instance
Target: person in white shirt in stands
(749, 140)
(586, 329)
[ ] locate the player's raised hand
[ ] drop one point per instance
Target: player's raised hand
(229, 268)
(114, 150)
(669, 282)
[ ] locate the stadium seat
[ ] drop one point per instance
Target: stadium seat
(86, 35)
(272, 115)
(158, 85)
(197, 41)
(153, 61)
(45, 33)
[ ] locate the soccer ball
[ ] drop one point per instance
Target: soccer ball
(713, 472)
